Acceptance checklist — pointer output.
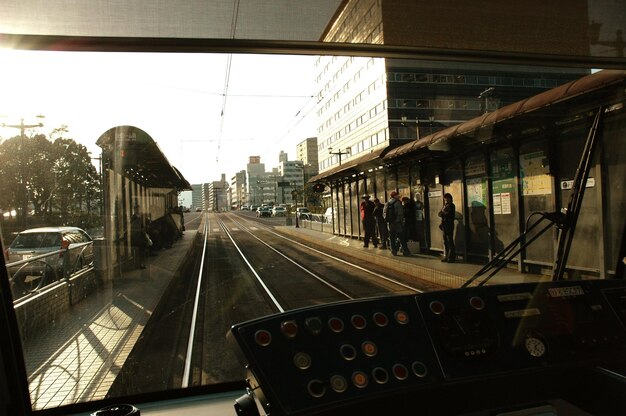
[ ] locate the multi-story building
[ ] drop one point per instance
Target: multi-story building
(367, 105)
(238, 191)
(255, 174)
(306, 152)
(198, 201)
(218, 195)
(291, 173)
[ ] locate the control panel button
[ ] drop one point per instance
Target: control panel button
(359, 379)
(263, 337)
(419, 369)
(348, 352)
(369, 348)
(401, 317)
(380, 375)
(289, 329)
(302, 360)
(338, 383)
(313, 325)
(477, 303)
(400, 372)
(380, 319)
(437, 307)
(335, 325)
(358, 321)
(316, 388)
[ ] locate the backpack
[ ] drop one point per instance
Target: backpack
(390, 214)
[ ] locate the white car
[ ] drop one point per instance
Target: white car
(279, 212)
(303, 212)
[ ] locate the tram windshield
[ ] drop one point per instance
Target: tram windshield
(190, 192)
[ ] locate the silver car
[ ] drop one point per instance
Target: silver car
(48, 253)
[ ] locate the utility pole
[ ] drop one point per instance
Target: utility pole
(22, 127)
(339, 153)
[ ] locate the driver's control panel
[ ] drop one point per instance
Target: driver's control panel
(320, 357)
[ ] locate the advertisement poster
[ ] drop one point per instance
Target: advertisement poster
(535, 174)
(476, 192)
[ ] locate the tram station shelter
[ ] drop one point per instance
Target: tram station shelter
(137, 179)
(502, 168)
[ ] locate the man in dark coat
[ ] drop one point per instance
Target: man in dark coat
(381, 225)
(447, 214)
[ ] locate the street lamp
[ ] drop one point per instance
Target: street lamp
(339, 153)
(486, 94)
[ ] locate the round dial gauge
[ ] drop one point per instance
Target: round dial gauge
(535, 346)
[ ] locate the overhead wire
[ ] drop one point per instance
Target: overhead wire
(233, 28)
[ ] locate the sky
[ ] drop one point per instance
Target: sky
(207, 112)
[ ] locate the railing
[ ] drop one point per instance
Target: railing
(30, 276)
(317, 222)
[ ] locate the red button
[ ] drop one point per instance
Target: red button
(401, 317)
(436, 307)
(289, 328)
(380, 319)
(359, 379)
(335, 325)
(477, 303)
(358, 322)
(263, 337)
(369, 348)
(400, 372)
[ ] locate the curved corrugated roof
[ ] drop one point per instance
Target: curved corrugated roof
(487, 121)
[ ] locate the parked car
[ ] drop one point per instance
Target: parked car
(263, 212)
(303, 212)
(279, 211)
(47, 240)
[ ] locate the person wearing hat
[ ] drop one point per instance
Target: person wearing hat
(394, 216)
(369, 222)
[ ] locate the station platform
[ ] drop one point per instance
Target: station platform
(417, 265)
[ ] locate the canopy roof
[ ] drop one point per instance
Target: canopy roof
(131, 152)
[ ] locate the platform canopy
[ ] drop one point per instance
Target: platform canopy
(132, 153)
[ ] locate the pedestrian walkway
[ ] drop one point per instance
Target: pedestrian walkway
(420, 266)
(77, 359)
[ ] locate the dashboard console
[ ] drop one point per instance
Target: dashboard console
(556, 347)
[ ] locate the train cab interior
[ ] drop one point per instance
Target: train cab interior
(555, 346)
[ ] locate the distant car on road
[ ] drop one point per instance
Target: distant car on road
(279, 212)
(263, 212)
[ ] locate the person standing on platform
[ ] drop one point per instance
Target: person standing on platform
(381, 225)
(369, 222)
(410, 219)
(394, 216)
(447, 214)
